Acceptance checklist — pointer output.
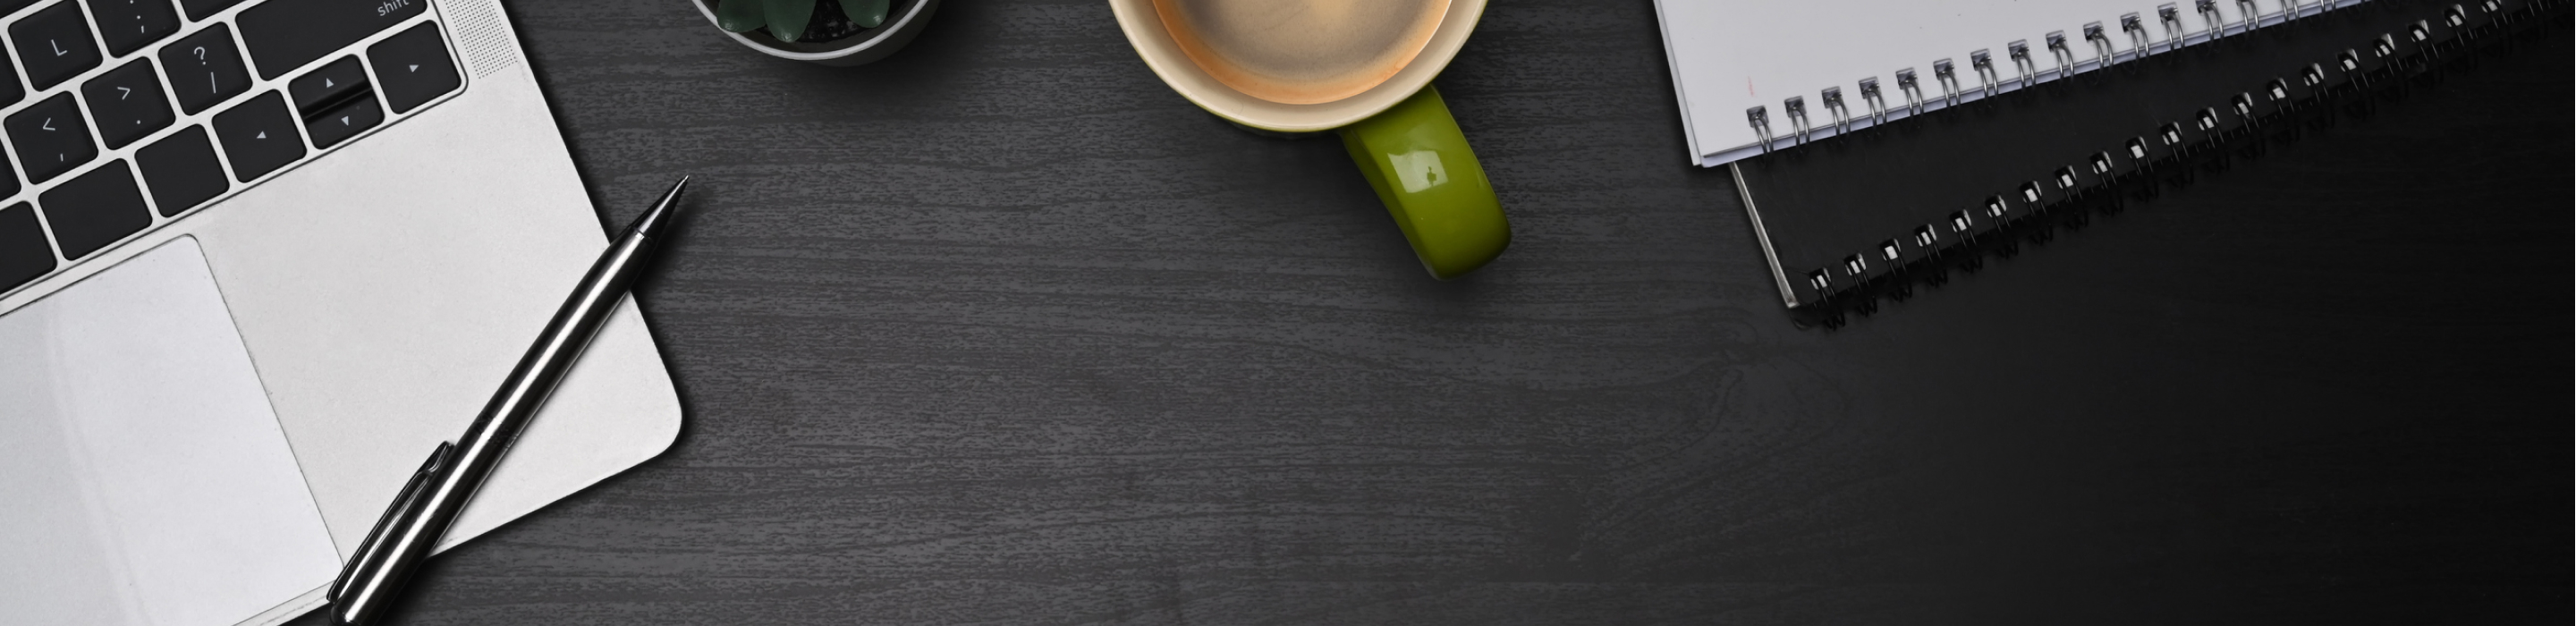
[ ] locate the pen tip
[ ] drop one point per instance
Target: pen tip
(673, 196)
(653, 219)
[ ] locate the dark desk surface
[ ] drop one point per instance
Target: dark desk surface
(1002, 331)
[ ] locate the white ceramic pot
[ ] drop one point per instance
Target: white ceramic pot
(909, 17)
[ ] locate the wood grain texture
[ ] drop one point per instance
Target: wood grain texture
(1002, 331)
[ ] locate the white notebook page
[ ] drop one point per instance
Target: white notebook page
(1731, 55)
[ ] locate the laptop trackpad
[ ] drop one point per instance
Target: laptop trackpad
(147, 480)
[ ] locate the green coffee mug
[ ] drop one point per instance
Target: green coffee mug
(1398, 131)
(1419, 163)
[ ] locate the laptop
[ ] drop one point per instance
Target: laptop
(258, 258)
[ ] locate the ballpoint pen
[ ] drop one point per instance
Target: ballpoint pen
(431, 500)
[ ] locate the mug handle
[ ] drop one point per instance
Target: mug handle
(1418, 160)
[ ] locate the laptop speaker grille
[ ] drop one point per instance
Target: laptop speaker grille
(481, 35)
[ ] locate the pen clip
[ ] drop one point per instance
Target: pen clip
(369, 552)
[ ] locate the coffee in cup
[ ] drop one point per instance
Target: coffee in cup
(1301, 51)
(1361, 68)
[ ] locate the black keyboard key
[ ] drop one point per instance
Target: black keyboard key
(199, 9)
(127, 103)
(55, 44)
(182, 171)
(327, 86)
(350, 118)
(413, 67)
(51, 138)
(286, 34)
(205, 69)
(129, 25)
(12, 6)
(10, 91)
(259, 136)
(8, 182)
(95, 209)
(24, 255)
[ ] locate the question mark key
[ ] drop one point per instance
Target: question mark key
(205, 69)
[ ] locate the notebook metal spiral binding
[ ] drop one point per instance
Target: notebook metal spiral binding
(1913, 92)
(2171, 17)
(1761, 120)
(1990, 81)
(2311, 96)
(1833, 100)
(2065, 58)
(1797, 108)
(1987, 80)
(2102, 53)
(1877, 104)
(2137, 30)
(2209, 18)
(1948, 76)
(2019, 51)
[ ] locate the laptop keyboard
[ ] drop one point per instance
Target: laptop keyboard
(121, 115)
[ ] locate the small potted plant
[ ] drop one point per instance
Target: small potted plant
(830, 32)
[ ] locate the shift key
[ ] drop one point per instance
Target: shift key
(286, 34)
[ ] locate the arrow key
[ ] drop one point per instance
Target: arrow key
(339, 124)
(413, 67)
(328, 86)
(258, 136)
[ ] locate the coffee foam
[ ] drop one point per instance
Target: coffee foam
(1301, 51)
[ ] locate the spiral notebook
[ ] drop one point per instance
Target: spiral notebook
(1850, 204)
(1758, 75)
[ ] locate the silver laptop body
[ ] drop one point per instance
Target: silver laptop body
(370, 295)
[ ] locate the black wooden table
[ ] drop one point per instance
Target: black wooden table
(1003, 331)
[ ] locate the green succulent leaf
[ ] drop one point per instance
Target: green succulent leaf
(739, 15)
(787, 18)
(866, 13)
